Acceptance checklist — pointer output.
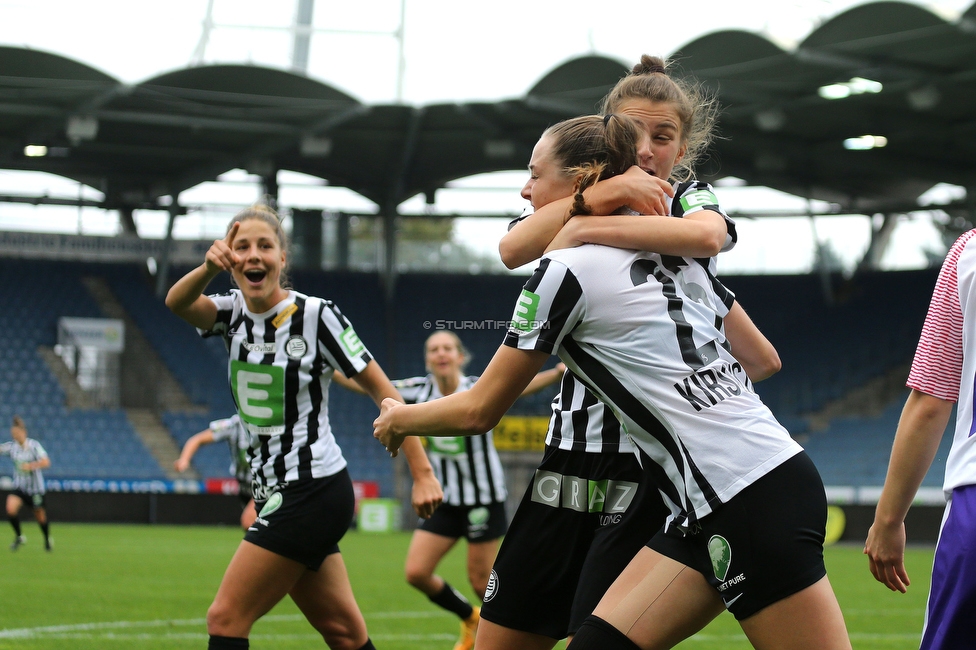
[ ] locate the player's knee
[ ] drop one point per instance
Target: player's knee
(341, 634)
(417, 577)
(223, 621)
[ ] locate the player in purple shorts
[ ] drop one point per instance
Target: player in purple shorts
(942, 375)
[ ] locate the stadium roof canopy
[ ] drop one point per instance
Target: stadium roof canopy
(137, 143)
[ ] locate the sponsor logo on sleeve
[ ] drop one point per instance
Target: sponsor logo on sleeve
(350, 341)
(697, 200)
(525, 310)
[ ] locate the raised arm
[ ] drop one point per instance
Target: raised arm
(190, 448)
(426, 494)
(529, 238)
(185, 298)
(466, 413)
(920, 429)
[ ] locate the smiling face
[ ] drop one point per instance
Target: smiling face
(665, 146)
(547, 180)
(261, 262)
(443, 357)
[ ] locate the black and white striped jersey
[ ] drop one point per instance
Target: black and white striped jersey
(280, 366)
(580, 421)
(644, 332)
(468, 467)
(31, 482)
(238, 442)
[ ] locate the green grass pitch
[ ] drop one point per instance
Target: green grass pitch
(149, 587)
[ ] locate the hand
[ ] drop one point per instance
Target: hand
(560, 367)
(885, 548)
(642, 192)
(181, 465)
(221, 256)
(426, 495)
(382, 426)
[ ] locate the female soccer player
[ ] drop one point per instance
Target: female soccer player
(532, 609)
(29, 459)
(473, 481)
(283, 348)
(644, 332)
(238, 442)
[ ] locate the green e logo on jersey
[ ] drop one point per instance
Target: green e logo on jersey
(525, 310)
(698, 199)
(449, 446)
(350, 341)
(260, 392)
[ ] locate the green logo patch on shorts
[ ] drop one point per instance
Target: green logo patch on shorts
(274, 502)
(478, 516)
(720, 553)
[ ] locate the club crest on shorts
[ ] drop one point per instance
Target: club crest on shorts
(492, 587)
(478, 516)
(720, 553)
(274, 502)
(296, 347)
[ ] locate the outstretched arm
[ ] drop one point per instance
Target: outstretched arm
(426, 494)
(348, 384)
(190, 448)
(920, 429)
(544, 379)
(466, 413)
(635, 188)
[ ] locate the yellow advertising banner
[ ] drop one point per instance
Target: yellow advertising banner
(521, 433)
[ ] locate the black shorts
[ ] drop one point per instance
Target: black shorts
(565, 548)
(30, 500)
(765, 544)
(474, 523)
(304, 520)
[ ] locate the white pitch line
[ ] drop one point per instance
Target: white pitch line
(55, 630)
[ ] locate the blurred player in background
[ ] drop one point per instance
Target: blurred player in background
(473, 480)
(29, 459)
(238, 440)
